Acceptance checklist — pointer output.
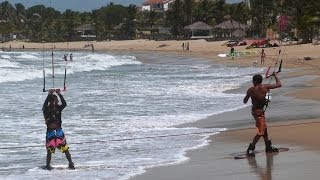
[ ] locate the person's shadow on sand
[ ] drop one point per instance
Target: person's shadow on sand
(263, 173)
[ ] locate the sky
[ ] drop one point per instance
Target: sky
(77, 5)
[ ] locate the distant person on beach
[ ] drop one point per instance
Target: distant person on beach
(263, 56)
(258, 93)
(183, 46)
(187, 46)
(54, 136)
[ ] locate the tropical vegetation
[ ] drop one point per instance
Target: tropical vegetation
(114, 21)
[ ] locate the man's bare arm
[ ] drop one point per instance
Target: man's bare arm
(277, 84)
(248, 95)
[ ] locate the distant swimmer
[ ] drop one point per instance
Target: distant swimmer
(55, 137)
(258, 93)
(71, 57)
(65, 57)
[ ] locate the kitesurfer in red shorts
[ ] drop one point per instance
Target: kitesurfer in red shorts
(258, 93)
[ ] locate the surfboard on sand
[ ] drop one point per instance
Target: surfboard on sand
(243, 155)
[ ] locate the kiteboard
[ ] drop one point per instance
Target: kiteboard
(243, 155)
(239, 53)
(57, 167)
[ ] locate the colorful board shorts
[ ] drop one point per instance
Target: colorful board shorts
(261, 124)
(56, 139)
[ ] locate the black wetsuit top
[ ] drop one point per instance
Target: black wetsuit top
(53, 114)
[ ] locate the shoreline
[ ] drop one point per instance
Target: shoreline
(213, 159)
(292, 54)
(293, 118)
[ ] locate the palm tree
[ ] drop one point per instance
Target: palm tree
(304, 15)
(175, 18)
(261, 11)
(188, 9)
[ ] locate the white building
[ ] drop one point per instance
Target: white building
(156, 5)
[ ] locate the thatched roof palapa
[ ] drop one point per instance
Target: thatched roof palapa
(84, 27)
(199, 26)
(231, 24)
(239, 33)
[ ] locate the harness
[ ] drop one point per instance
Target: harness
(263, 106)
(266, 103)
(52, 113)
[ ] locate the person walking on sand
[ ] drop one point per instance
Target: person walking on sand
(263, 56)
(55, 137)
(92, 47)
(258, 93)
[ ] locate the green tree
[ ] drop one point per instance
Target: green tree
(219, 11)
(98, 23)
(35, 23)
(175, 18)
(8, 18)
(188, 9)
(304, 15)
(261, 11)
(203, 11)
(111, 16)
(129, 23)
(71, 20)
(238, 12)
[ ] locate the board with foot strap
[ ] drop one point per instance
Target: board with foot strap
(65, 167)
(243, 155)
(56, 168)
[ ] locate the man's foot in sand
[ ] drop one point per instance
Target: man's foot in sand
(270, 148)
(251, 153)
(250, 150)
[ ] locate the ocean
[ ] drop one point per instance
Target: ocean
(121, 113)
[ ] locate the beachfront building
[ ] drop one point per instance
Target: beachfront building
(85, 31)
(8, 37)
(156, 5)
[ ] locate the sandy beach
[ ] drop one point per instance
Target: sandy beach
(293, 117)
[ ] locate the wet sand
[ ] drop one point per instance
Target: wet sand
(292, 122)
